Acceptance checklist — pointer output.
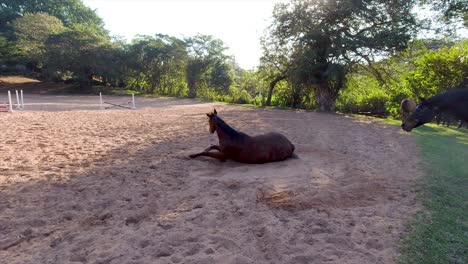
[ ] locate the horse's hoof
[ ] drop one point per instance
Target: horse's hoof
(192, 156)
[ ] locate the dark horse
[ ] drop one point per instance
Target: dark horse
(241, 147)
(454, 102)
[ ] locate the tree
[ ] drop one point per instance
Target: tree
(274, 63)
(32, 31)
(250, 81)
(221, 77)
(438, 71)
(451, 11)
(70, 12)
(318, 41)
(81, 51)
(7, 52)
(416, 72)
(157, 64)
(205, 52)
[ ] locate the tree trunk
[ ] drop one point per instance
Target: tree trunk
(272, 86)
(325, 98)
(191, 87)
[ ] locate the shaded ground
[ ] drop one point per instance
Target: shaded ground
(29, 85)
(116, 186)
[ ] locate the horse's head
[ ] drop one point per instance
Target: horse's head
(212, 121)
(423, 114)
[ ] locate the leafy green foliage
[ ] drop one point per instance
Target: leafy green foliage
(207, 64)
(240, 96)
(32, 31)
(452, 11)
(312, 51)
(221, 77)
(416, 72)
(323, 39)
(251, 82)
(26, 25)
(363, 95)
(81, 51)
(70, 12)
(8, 52)
(439, 71)
(156, 64)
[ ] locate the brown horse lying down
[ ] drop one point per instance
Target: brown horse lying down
(241, 147)
(407, 107)
(454, 102)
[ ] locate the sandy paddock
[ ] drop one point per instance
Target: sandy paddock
(116, 186)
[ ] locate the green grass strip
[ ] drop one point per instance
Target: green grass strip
(439, 234)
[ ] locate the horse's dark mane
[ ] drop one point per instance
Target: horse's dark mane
(226, 128)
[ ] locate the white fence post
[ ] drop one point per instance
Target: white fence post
(22, 101)
(9, 102)
(18, 105)
(133, 101)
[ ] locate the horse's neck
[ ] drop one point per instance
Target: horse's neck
(227, 134)
(223, 137)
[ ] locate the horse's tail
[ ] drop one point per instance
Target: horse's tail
(294, 155)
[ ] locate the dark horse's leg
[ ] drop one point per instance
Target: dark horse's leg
(212, 147)
(217, 155)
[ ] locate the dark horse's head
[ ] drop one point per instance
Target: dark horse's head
(423, 114)
(212, 121)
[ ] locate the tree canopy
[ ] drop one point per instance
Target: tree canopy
(68, 11)
(207, 59)
(32, 31)
(349, 55)
(317, 41)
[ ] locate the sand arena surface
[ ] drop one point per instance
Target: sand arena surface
(116, 186)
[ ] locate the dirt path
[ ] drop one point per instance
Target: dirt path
(116, 186)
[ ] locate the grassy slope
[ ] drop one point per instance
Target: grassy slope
(439, 235)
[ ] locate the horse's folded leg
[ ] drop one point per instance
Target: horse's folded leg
(213, 147)
(217, 155)
(196, 155)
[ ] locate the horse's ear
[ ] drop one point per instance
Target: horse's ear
(208, 115)
(422, 100)
(215, 111)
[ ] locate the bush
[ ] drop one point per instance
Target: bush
(239, 97)
(363, 95)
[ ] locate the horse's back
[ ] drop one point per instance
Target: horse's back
(454, 102)
(267, 148)
(275, 139)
